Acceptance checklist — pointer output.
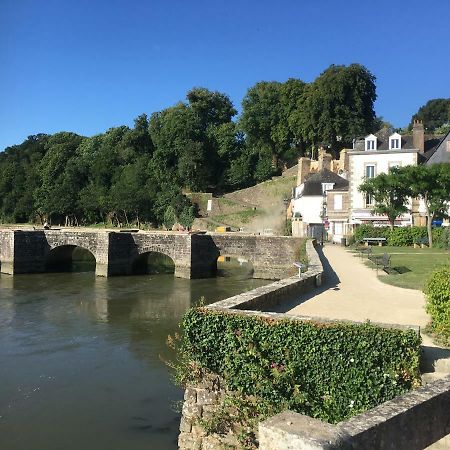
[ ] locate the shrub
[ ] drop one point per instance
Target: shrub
(400, 237)
(438, 237)
(445, 237)
(437, 291)
(370, 231)
(330, 371)
(418, 233)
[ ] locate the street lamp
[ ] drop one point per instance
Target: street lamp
(286, 202)
(323, 214)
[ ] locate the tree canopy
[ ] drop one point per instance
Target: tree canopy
(138, 174)
(390, 194)
(434, 114)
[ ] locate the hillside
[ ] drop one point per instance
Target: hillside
(256, 209)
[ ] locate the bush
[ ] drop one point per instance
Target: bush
(437, 291)
(329, 371)
(438, 237)
(370, 231)
(404, 236)
(445, 238)
(400, 237)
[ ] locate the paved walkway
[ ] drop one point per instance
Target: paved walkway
(353, 291)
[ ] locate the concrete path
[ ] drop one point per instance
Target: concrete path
(353, 291)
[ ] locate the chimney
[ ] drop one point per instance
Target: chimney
(304, 166)
(343, 160)
(325, 161)
(418, 135)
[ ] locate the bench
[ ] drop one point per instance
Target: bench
(374, 240)
(423, 242)
(363, 249)
(383, 262)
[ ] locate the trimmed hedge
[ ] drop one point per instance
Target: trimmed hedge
(404, 236)
(437, 291)
(330, 371)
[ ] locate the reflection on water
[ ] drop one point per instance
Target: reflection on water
(80, 357)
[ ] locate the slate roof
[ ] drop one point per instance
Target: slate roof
(440, 154)
(313, 184)
(431, 142)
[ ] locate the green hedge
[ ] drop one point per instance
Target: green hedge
(437, 291)
(330, 371)
(404, 236)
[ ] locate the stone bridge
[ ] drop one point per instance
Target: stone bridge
(194, 255)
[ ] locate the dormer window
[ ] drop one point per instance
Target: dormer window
(395, 142)
(371, 142)
(327, 187)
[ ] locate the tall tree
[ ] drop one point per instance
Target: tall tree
(390, 194)
(434, 114)
(262, 119)
(431, 184)
(338, 106)
(58, 187)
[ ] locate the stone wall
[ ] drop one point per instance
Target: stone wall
(200, 401)
(412, 421)
(271, 256)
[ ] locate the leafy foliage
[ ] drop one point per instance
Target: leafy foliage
(403, 236)
(133, 175)
(389, 193)
(338, 106)
(434, 114)
(437, 291)
(329, 371)
(431, 184)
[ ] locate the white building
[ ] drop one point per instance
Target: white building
(376, 154)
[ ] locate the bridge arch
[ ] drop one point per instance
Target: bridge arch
(70, 258)
(151, 261)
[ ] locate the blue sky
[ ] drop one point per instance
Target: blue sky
(88, 65)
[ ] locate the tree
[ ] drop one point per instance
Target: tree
(390, 194)
(212, 108)
(338, 106)
(262, 115)
(434, 114)
(57, 192)
(431, 184)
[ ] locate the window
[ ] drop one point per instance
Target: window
(369, 200)
(370, 171)
(394, 164)
(327, 187)
(371, 142)
(338, 202)
(395, 142)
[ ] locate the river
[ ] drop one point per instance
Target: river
(81, 358)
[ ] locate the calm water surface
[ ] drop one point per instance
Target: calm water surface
(80, 363)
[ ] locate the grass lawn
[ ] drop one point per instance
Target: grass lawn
(414, 264)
